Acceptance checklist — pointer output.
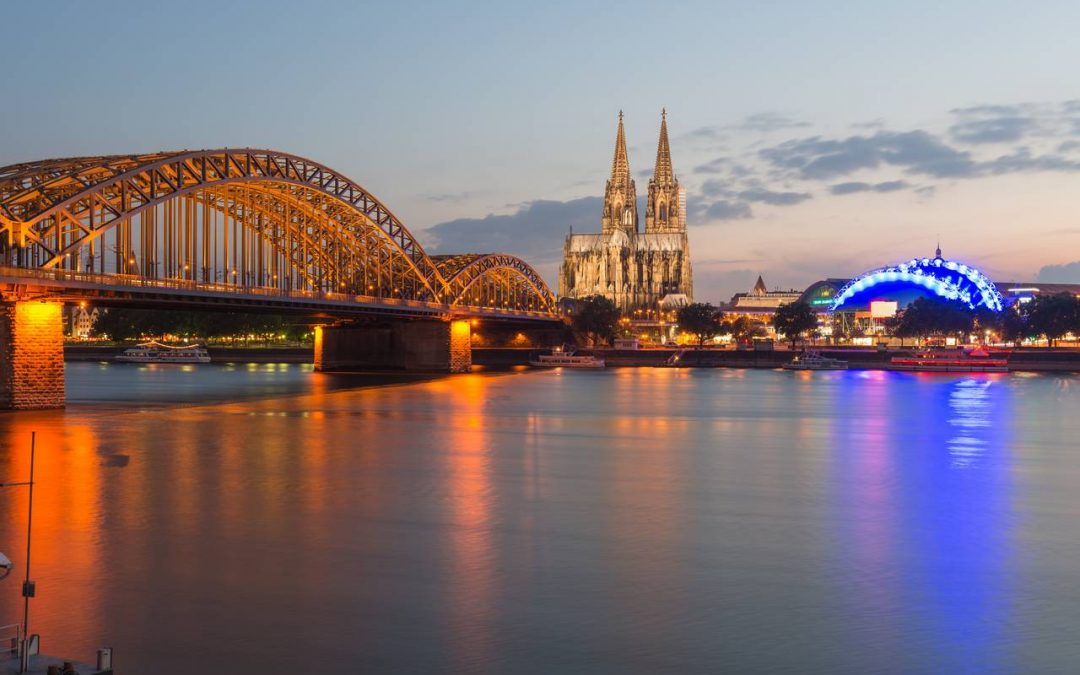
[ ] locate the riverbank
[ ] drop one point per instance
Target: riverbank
(217, 354)
(1027, 359)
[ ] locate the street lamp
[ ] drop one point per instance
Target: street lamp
(28, 587)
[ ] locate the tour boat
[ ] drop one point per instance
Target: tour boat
(815, 361)
(977, 360)
(560, 358)
(155, 352)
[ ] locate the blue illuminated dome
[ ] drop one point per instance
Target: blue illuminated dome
(935, 276)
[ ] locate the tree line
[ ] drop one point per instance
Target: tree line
(1046, 316)
(122, 324)
(597, 317)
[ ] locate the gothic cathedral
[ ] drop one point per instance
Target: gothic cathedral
(636, 270)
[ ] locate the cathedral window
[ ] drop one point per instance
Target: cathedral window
(663, 213)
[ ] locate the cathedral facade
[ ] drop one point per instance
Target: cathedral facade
(637, 270)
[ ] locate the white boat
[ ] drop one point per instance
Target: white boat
(562, 358)
(156, 352)
(815, 361)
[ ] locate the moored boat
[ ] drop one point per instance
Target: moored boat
(156, 352)
(563, 358)
(977, 360)
(812, 360)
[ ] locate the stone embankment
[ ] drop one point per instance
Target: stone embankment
(217, 354)
(1027, 359)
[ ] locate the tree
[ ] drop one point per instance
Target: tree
(1053, 315)
(931, 316)
(794, 319)
(596, 317)
(702, 320)
(1014, 325)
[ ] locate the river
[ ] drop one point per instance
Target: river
(268, 519)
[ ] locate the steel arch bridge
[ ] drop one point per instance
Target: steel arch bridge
(263, 221)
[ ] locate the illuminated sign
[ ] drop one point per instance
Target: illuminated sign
(882, 309)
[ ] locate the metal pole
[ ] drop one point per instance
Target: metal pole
(25, 662)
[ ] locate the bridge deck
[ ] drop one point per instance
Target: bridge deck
(117, 289)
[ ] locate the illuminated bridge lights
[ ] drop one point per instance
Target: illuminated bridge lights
(944, 278)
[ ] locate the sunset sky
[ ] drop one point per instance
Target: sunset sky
(814, 139)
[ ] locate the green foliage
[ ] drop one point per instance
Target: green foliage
(931, 316)
(702, 320)
(123, 324)
(741, 329)
(1013, 325)
(795, 319)
(1053, 315)
(596, 317)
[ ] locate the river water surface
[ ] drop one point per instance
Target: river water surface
(268, 519)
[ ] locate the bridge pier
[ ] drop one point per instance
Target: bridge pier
(31, 355)
(421, 346)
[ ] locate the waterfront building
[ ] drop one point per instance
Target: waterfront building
(639, 271)
(760, 300)
(81, 321)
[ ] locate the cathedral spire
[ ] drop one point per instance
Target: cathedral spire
(620, 196)
(620, 166)
(663, 173)
(666, 203)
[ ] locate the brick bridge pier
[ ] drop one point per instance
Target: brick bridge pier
(31, 355)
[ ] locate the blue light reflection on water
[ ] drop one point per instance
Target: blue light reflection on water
(927, 464)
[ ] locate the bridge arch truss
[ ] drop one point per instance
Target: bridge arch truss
(238, 217)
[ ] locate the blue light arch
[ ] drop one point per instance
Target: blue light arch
(946, 279)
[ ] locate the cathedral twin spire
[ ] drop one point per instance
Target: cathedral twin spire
(664, 204)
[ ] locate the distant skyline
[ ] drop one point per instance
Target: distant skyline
(813, 139)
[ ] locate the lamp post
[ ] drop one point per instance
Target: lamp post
(28, 585)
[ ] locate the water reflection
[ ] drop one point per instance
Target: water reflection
(970, 402)
(642, 520)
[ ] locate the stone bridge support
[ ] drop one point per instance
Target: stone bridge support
(425, 345)
(31, 355)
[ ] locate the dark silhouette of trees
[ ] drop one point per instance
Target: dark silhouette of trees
(931, 316)
(742, 329)
(123, 324)
(702, 320)
(1053, 316)
(795, 319)
(1013, 325)
(596, 317)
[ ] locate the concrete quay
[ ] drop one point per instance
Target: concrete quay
(1025, 359)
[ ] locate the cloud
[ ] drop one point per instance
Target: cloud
(992, 130)
(450, 198)
(774, 198)
(1068, 273)
(919, 152)
(718, 165)
(700, 213)
(766, 122)
(856, 186)
(1022, 160)
(535, 231)
(991, 109)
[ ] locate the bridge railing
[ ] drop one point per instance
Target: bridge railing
(93, 279)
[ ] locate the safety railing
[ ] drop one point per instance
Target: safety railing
(134, 281)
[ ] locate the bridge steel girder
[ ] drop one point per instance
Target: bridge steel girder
(54, 211)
